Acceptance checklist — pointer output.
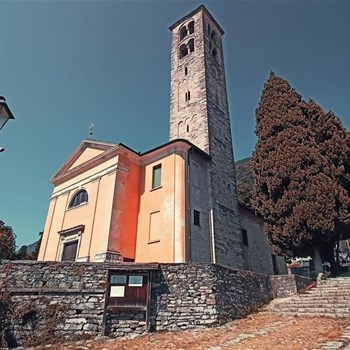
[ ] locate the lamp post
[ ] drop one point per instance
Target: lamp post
(5, 115)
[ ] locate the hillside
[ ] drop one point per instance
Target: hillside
(243, 171)
(245, 181)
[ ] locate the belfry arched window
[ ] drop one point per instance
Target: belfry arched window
(183, 32)
(186, 48)
(79, 198)
(183, 50)
(191, 45)
(191, 27)
(186, 30)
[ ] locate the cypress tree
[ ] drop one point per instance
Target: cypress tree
(301, 167)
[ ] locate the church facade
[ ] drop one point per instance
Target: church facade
(175, 203)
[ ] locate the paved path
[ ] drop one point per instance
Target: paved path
(342, 343)
(256, 332)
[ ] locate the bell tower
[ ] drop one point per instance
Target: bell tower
(199, 113)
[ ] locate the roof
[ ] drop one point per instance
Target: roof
(194, 147)
(108, 150)
(191, 14)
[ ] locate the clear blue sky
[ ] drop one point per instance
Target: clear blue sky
(65, 64)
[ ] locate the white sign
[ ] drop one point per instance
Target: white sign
(117, 292)
(118, 279)
(135, 281)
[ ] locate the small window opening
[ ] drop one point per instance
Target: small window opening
(188, 128)
(196, 218)
(183, 32)
(191, 45)
(188, 95)
(245, 237)
(191, 27)
(186, 70)
(274, 264)
(209, 28)
(79, 198)
(212, 34)
(186, 98)
(157, 176)
(183, 50)
(214, 52)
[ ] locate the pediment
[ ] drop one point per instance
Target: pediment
(87, 151)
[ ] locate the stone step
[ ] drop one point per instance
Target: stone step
(343, 284)
(323, 297)
(333, 286)
(313, 311)
(311, 314)
(312, 306)
(326, 292)
(317, 302)
(329, 298)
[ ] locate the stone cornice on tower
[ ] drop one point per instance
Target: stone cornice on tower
(191, 14)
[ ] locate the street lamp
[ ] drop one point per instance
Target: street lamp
(5, 112)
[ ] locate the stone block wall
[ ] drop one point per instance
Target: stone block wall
(183, 296)
(287, 285)
(258, 252)
(197, 295)
(239, 293)
(49, 301)
(52, 299)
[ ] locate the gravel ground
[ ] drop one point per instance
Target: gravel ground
(260, 332)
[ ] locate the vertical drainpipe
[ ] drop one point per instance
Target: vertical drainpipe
(212, 236)
(174, 213)
(188, 257)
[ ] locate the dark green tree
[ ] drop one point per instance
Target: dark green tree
(22, 254)
(301, 171)
(7, 242)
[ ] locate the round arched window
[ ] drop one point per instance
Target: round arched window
(79, 198)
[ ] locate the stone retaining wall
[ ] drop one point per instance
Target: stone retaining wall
(51, 300)
(287, 285)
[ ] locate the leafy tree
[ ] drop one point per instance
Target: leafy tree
(34, 255)
(7, 241)
(27, 252)
(22, 254)
(301, 167)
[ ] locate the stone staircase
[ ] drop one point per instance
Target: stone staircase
(331, 297)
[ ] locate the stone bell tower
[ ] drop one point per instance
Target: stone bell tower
(199, 113)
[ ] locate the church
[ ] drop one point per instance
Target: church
(175, 203)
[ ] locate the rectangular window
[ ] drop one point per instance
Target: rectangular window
(157, 176)
(196, 218)
(154, 227)
(274, 264)
(245, 237)
(69, 251)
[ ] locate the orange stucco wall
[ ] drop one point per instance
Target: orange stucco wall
(121, 201)
(88, 154)
(93, 214)
(122, 236)
(169, 201)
